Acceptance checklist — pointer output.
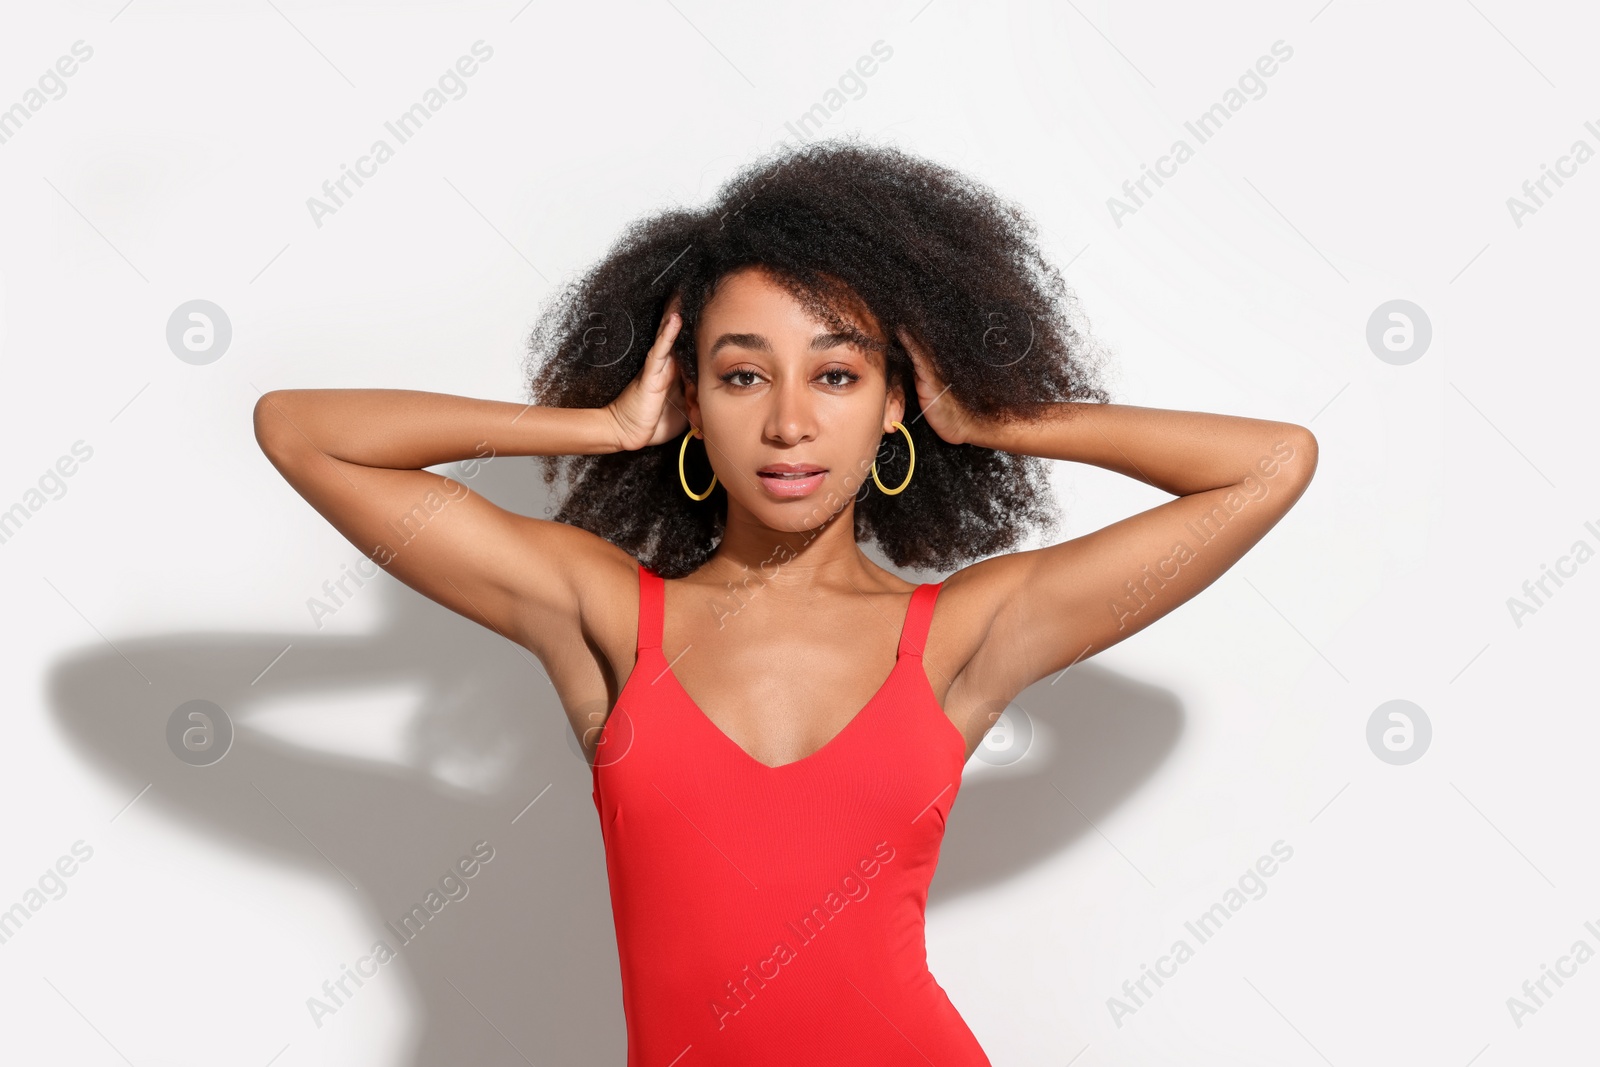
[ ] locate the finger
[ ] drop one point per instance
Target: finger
(660, 368)
(669, 324)
(664, 339)
(920, 364)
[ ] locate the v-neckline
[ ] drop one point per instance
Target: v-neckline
(832, 742)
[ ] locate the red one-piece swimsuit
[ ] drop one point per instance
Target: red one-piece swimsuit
(774, 916)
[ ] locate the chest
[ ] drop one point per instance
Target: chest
(783, 682)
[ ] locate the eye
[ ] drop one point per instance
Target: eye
(736, 378)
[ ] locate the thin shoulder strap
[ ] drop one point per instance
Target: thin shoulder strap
(652, 599)
(919, 616)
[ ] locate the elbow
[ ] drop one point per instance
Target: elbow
(1303, 445)
(270, 420)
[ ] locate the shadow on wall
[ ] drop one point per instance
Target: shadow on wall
(532, 947)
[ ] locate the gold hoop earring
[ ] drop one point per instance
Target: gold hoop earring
(685, 481)
(912, 467)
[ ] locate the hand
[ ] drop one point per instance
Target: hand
(945, 414)
(650, 410)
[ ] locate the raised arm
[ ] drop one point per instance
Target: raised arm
(357, 457)
(1045, 609)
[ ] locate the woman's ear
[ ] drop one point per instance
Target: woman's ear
(894, 408)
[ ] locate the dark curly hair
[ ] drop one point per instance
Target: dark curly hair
(920, 245)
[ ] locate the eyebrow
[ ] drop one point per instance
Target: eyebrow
(820, 343)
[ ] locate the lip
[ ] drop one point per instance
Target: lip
(792, 487)
(789, 468)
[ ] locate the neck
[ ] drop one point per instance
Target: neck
(796, 562)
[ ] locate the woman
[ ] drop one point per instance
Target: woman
(851, 344)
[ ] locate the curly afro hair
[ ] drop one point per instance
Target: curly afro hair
(921, 246)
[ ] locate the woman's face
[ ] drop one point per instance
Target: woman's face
(778, 387)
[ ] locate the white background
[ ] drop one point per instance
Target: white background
(374, 750)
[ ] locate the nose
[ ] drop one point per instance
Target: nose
(791, 415)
